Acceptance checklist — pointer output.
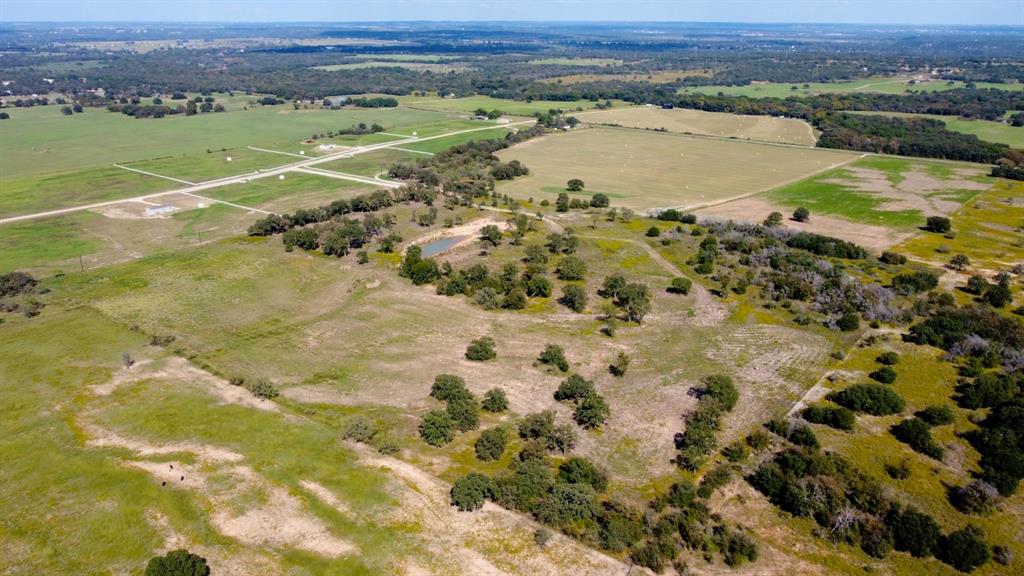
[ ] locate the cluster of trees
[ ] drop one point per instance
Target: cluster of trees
(852, 507)
(461, 413)
(355, 129)
(631, 299)
(466, 171)
(591, 410)
(718, 395)
(374, 102)
(924, 137)
(792, 267)
(570, 498)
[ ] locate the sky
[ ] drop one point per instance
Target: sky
(926, 12)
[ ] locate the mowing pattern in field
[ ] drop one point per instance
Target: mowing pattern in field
(641, 169)
(766, 128)
(893, 192)
(41, 139)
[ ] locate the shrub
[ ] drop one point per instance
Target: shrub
(437, 428)
(936, 415)
(801, 214)
(774, 219)
(447, 387)
(914, 282)
(737, 548)
(261, 388)
(964, 549)
(899, 471)
(998, 296)
(620, 365)
(873, 399)
(885, 375)
(758, 440)
(599, 200)
(721, 388)
(680, 285)
(465, 412)
(570, 507)
(495, 401)
(592, 411)
(481, 350)
(571, 268)
(803, 436)
(888, 358)
(541, 536)
(541, 426)
(553, 355)
(178, 563)
(359, 429)
(913, 531)
(736, 452)
(611, 286)
(892, 258)
(491, 444)
(578, 470)
(915, 433)
(653, 232)
(937, 224)
(574, 388)
(848, 322)
(834, 416)
(469, 492)
(713, 480)
(977, 497)
(574, 297)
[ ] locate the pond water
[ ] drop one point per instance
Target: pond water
(438, 246)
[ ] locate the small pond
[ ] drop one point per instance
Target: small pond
(441, 245)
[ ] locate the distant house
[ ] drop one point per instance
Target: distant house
(667, 106)
(159, 210)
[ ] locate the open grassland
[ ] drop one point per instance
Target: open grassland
(165, 456)
(988, 231)
(124, 231)
(65, 189)
(40, 139)
(882, 84)
(372, 163)
(213, 164)
(766, 128)
(470, 103)
(987, 130)
(893, 192)
(640, 169)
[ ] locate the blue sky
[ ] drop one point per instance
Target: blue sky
(938, 12)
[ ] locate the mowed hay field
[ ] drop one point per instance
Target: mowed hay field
(42, 140)
(639, 169)
(766, 128)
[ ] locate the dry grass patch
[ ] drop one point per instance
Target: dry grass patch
(720, 124)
